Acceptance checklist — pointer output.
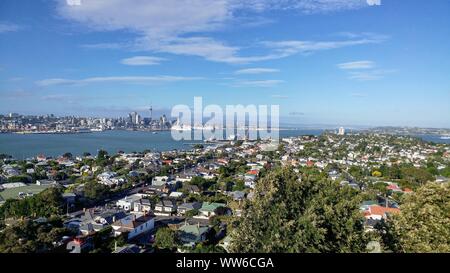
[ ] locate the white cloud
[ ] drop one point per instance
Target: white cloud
(369, 75)
(142, 60)
(256, 71)
(287, 48)
(356, 65)
(258, 83)
(374, 2)
(172, 26)
(8, 27)
(126, 79)
(364, 70)
(154, 18)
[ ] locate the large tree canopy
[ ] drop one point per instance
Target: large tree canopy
(423, 225)
(311, 215)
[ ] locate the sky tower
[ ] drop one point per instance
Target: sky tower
(151, 112)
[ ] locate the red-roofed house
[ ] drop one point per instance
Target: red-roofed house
(394, 187)
(407, 190)
(377, 212)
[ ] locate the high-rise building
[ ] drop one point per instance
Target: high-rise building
(137, 119)
(341, 131)
(133, 117)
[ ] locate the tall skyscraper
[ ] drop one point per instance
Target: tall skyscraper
(341, 131)
(133, 116)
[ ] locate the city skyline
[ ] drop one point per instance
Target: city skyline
(336, 62)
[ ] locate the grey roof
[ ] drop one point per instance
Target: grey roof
(237, 195)
(190, 206)
(165, 203)
(145, 202)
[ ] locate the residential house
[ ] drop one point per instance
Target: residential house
(208, 209)
(176, 195)
(142, 205)
(127, 203)
(45, 182)
(237, 195)
(94, 220)
(161, 189)
(377, 212)
(190, 235)
(134, 225)
(165, 207)
(185, 207)
(160, 180)
(110, 179)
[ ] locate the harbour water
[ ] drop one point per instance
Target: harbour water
(23, 146)
(29, 145)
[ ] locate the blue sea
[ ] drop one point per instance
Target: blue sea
(29, 145)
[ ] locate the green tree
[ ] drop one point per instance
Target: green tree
(165, 238)
(45, 204)
(423, 225)
(95, 191)
(287, 215)
(416, 176)
(68, 155)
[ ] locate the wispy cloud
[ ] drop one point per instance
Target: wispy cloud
(162, 26)
(356, 65)
(287, 48)
(142, 60)
(126, 79)
(369, 75)
(256, 71)
(9, 27)
(364, 70)
(258, 83)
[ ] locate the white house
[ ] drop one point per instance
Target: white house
(160, 180)
(110, 179)
(128, 202)
(134, 225)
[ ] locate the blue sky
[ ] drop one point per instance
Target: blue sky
(340, 62)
